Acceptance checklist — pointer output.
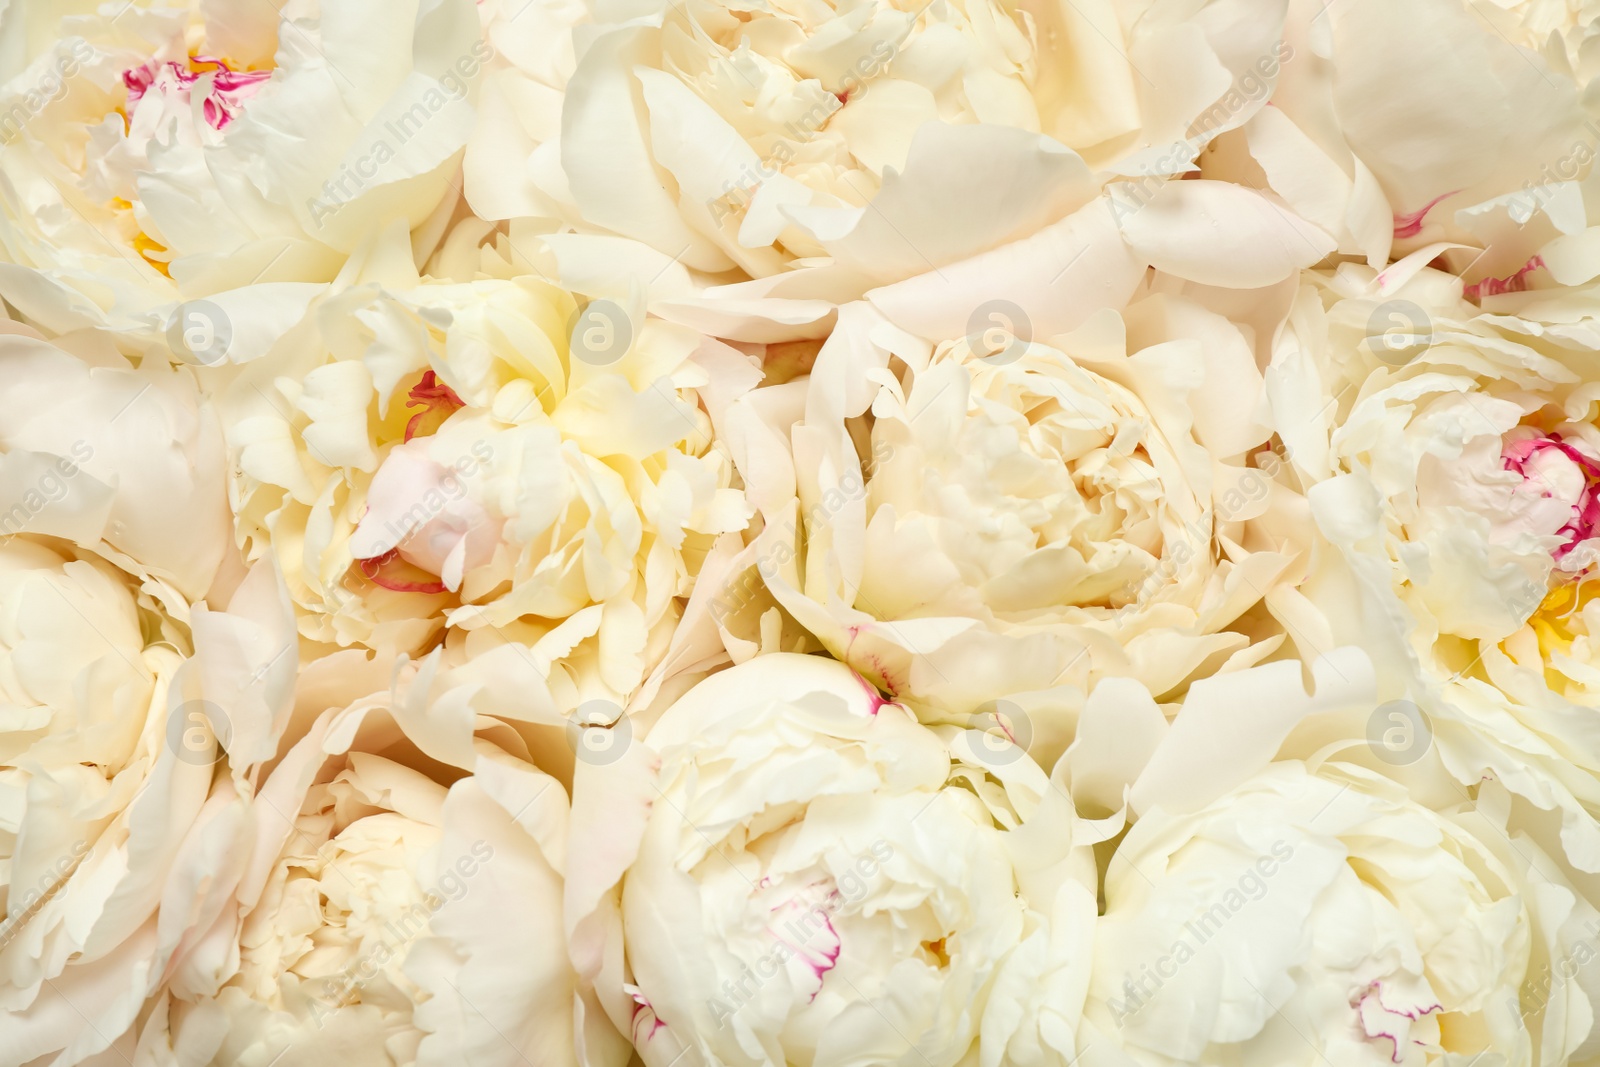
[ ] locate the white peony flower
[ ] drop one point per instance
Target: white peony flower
(91, 778)
(119, 701)
(444, 460)
(771, 138)
(1270, 906)
(369, 924)
(1013, 515)
(806, 878)
(120, 692)
(1452, 459)
(152, 155)
(1325, 917)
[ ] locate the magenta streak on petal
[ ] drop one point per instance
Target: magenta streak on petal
(1586, 514)
(1002, 724)
(1515, 282)
(875, 660)
(883, 672)
(821, 961)
(643, 1004)
(1411, 225)
(832, 957)
(1375, 991)
(229, 88)
(872, 694)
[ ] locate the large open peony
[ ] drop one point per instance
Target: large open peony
(1452, 457)
(481, 459)
(131, 715)
(1325, 917)
(1012, 515)
(92, 783)
(806, 877)
(151, 154)
(367, 919)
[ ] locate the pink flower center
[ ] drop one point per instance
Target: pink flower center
(1525, 455)
(229, 88)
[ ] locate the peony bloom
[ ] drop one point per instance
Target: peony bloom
(1310, 917)
(369, 914)
(134, 715)
(768, 140)
(1015, 514)
(93, 780)
(1271, 909)
(1479, 159)
(807, 878)
(153, 155)
(479, 459)
(1452, 459)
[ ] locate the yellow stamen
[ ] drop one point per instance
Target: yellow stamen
(144, 245)
(1552, 622)
(142, 242)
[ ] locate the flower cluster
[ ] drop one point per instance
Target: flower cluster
(943, 533)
